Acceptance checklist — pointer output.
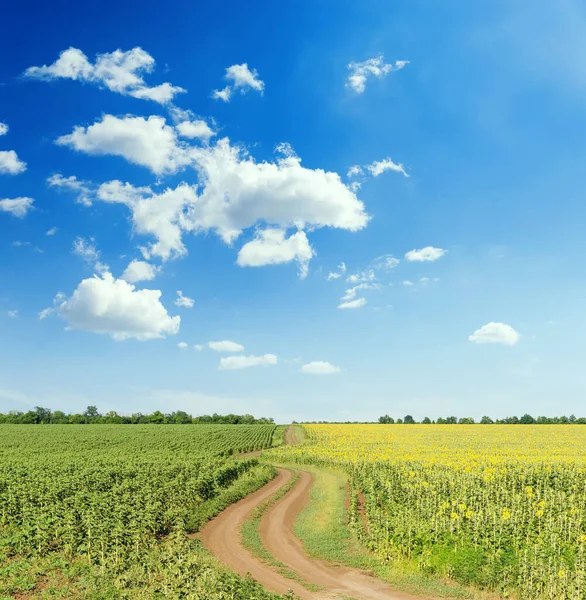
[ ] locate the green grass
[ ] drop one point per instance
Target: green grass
(323, 529)
(250, 535)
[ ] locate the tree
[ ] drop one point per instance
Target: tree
(451, 420)
(399, 421)
(426, 421)
(91, 412)
(409, 420)
(441, 421)
(527, 419)
(386, 420)
(486, 421)
(466, 421)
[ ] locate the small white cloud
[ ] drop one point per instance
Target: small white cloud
(352, 292)
(230, 363)
(52, 231)
(358, 303)
(114, 307)
(195, 129)
(184, 301)
(495, 333)
(72, 184)
(139, 270)
(378, 167)
(407, 283)
(12, 314)
(373, 67)
(429, 253)
(43, 314)
(333, 275)
(424, 280)
(199, 347)
(271, 247)
(242, 79)
(17, 207)
(3, 129)
(386, 262)
(355, 170)
(361, 277)
(10, 164)
(182, 345)
(86, 249)
(120, 72)
(226, 346)
(319, 367)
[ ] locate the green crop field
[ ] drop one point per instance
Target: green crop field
(103, 512)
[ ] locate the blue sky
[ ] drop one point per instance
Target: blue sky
(462, 221)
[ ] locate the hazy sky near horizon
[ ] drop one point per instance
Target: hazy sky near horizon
(305, 210)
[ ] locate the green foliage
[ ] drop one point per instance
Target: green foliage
(120, 501)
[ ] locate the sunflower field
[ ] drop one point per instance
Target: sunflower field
(104, 511)
(501, 507)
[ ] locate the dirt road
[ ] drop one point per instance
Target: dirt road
(276, 531)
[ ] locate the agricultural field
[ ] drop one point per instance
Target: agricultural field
(499, 507)
(103, 511)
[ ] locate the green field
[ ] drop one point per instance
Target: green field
(103, 512)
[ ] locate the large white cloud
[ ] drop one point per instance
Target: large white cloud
(119, 71)
(147, 142)
(114, 307)
(271, 247)
(495, 333)
(373, 67)
(320, 367)
(230, 363)
(226, 346)
(429, 253)
(139, 270)
(18, 207)
(236, 193)
(10, 164)
(242, 79)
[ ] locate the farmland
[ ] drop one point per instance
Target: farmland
(499, 507)
(103, 512)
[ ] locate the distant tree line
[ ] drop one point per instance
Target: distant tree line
(524, 420)
(91, 416)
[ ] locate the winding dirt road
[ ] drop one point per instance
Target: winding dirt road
(222, 537)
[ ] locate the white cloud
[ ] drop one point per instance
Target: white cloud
(3, 129)
(358, 303)
(407, 283)
(86, 249)
(226, 346)
(337, 274)
(373, 67)
(352, 292)
(139, 270)
(184, 301)
(319, 367)
(43, 314)
(147, 142)
(242, 79)
(18, 207)
(355, 170)
(114, 307)
(12, 314)
(378, 167)
(119, 71)
(271, 247)
(361, 277)
(182, 345)
(72, 184)
(429, 253)
(199, 347)
(424, 280)
(10, 164)
(495, 333)
(51, 231)
(195, 129)
(236, 193)
(230, 363)
(386, 261)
